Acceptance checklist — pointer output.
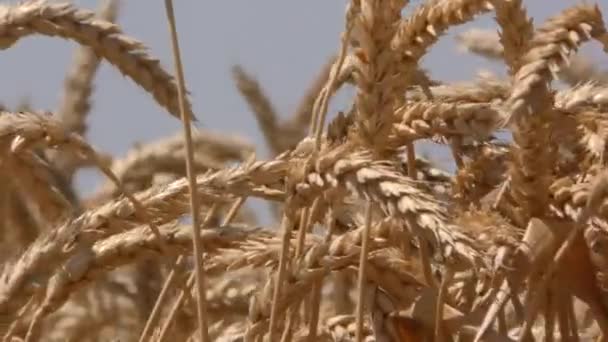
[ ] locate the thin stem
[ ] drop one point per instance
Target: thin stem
(286, 226)
(425, 257)
(314, 313)
(534, 305)
(305, 216)
(411, 160)
(572, 320)
(518, 307)
(288, 331)
(502, 322)
(320, 106)
(17, 323)
(502, 296)
(175, 270)
(456, 148)
(321, 115)
(443, 288)
(362, 270)
(169, 282)
(201, 308)
(305, 222)
(501, 193)
(233, 210)
(175, 307)
(549, 316)
(314, 119)
(185, 292)
(562, 315)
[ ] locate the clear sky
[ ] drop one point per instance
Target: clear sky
(283, 43)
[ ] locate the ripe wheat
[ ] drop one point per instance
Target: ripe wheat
(371, 242)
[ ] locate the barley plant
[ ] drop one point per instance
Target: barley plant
(370, 241)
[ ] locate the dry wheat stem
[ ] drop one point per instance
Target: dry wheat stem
(175, 307)
(227, 219)
(175, 270)
(362, 269)
(167, 285)
(441, 298)
(194, 203)
(322, 101)
(304, 111)
(286, 228)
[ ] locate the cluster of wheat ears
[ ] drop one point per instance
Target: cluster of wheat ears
(371, 242)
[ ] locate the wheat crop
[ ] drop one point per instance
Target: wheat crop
(370, 241)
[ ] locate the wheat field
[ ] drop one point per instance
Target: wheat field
(369, 240)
